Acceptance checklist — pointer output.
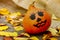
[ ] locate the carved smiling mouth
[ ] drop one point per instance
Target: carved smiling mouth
(42, 23)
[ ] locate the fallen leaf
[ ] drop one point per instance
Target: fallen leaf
(8, 38)
(53, 31)
(4, 11)
(46, 36)
(18, 28)
(24, 35)
(15, 15)
(53, 38)
(2, 33)
(20, 38)
(34, 38)
(3, 28)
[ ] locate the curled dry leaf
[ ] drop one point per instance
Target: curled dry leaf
(58, 29)
(53, 31)
(46, 36)
(22, 38)
(18, 28)
(24, 35)
(55, 18)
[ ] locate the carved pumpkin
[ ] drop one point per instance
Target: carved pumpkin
(36, 21)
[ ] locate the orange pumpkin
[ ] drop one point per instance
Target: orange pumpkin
(36, 21)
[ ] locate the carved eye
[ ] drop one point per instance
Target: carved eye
(40, 13)
(32, 17)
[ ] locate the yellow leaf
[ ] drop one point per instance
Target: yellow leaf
(15, 15)
(3, 28)
(34, 38)
(20, 38)
(25, 34)
(2, 33)
(45, 37)
(18, 28)
(4, 11)
(53, 38)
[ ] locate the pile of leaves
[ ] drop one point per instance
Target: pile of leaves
(11, 28)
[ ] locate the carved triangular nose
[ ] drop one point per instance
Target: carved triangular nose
(38, 19)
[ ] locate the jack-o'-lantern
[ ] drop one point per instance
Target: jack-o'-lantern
(36, 21)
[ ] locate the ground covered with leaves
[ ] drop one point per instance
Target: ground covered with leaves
(11, 28)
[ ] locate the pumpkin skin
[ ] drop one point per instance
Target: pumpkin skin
(36, 21)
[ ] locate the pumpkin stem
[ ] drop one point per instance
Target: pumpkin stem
(32, 6)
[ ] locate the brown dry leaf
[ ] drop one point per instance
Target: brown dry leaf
(8, 38)
(46, 36)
